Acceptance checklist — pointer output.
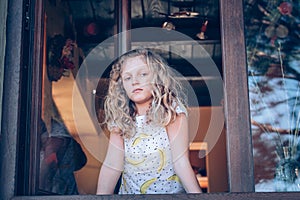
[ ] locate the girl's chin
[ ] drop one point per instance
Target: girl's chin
(142, 101)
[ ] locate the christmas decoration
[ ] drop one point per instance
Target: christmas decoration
(272, 25)
(272, 29)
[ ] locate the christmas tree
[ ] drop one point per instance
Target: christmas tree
(272, 32)
(273, 37)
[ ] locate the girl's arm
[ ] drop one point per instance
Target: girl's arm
(113, 165)
(179, 140)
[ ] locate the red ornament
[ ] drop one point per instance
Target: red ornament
(285, 8)
(91, 29)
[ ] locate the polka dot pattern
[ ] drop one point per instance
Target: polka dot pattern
(148, 165)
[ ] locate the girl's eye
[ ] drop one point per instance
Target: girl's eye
(144, 74)
(127, 78)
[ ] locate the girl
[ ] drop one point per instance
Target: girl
(148, 129)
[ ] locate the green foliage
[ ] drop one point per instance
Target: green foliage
(272, 29)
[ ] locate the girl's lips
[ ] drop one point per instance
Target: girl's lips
(137, 90)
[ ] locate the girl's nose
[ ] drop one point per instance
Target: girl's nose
(135, 80)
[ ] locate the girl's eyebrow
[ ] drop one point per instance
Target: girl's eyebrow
(125, 74)
(146, 68)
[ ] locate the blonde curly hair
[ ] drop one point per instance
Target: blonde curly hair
(167, 94)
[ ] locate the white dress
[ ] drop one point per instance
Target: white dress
(148, 167)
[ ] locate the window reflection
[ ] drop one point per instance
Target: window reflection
(74, 29)
(272, 39)
(61, 155)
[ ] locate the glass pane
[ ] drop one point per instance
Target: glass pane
(72, 30)
(198, 21)
(80, 45)
(273, 43)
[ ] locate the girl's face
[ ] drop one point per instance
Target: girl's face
(136, 78)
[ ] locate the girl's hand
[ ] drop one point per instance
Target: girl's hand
(112, 166)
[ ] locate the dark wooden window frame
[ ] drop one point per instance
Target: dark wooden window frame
(18, 69)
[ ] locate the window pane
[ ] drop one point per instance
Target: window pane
(190, 18)
(79, 50)
(72, 29)
(272, 39)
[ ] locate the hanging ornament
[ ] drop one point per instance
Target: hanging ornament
(282, 31)
(91, 29)
(270, 31)
(285, 8)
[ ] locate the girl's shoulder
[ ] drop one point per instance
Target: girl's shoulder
(179, 108)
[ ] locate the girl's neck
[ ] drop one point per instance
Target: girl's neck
(142, 109)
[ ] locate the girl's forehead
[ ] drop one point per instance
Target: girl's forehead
(135, 62)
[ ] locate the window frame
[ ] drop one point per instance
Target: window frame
(20, 38)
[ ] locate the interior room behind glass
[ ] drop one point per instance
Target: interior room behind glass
(79, 26)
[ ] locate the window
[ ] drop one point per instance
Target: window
(236, 106)
(273, 59)
(79, 48)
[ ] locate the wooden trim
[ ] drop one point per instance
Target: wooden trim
(123, 23)
(204, 196)
(239, 146)
(11, 100)
(3, 14)
(36, 100)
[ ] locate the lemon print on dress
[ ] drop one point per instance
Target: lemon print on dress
(146, 185)
(162, 159)
(135, 162)
(174, 177)
(139, 138)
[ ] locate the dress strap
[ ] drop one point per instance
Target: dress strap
(180, 108)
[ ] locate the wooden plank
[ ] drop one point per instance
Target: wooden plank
(239, 147)
(122, 14)
(11, 98)
(3, 14)
(203, 196)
